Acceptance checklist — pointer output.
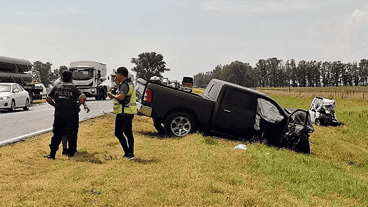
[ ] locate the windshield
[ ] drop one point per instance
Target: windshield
(5, 88)
(82, 73)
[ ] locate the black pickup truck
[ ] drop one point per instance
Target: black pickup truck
(224, 108)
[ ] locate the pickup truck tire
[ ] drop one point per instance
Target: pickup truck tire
(157, 123)
(179, 124)
(318, 122)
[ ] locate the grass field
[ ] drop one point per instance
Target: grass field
(343, 92)
(193, 170)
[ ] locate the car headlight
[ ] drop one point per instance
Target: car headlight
(93, 90)
(4, 97)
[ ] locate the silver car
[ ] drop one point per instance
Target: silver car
(12, 96)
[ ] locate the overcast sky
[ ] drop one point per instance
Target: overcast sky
(193, 35)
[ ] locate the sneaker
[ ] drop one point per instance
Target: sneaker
(49, 157)
(128, 157)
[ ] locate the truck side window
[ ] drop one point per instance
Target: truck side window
(214, 91)
(239, 99)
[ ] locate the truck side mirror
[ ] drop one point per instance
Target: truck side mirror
(16, 90)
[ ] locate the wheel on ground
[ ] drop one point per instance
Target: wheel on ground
(318, 122)
(303, 146)
(159, 126)
(12, 106)
(26, 107)
(179, 124)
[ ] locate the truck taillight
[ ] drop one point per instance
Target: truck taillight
(148, 96)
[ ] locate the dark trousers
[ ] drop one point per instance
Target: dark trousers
(124, 132)
(65, 126)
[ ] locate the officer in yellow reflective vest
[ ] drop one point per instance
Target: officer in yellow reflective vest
(124, 108)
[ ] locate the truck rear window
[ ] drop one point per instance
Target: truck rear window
(139, 87)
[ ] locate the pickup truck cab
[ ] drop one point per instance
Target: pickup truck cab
(225, 108)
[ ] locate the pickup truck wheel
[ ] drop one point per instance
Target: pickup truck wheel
(158, 125)
(318, 122)
(179, 124)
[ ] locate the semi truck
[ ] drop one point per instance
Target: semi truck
(14, 70)
(88, 76)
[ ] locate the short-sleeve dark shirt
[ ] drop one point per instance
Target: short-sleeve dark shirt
(66, 96)
(124, 88)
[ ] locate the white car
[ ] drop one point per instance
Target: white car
(12, 96)
(322, 111)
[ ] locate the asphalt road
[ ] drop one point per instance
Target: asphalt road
(20, 124)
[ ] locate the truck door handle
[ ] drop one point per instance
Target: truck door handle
(227, 111)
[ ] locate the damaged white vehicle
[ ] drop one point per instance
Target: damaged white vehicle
(322, 112)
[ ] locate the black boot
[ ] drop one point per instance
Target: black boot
(51, 155)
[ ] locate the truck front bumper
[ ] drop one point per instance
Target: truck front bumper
(143, 110)
(89, 92)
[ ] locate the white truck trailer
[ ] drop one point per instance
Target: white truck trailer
(88, 77)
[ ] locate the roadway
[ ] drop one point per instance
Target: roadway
(17, 125)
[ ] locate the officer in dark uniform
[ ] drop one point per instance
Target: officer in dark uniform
(66, 98)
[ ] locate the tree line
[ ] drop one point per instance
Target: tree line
(147, 65)
(275, 72)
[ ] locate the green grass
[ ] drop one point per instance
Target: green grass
(193, 170)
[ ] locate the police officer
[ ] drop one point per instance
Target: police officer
(66, 98)
(65, 140)
(124, 108)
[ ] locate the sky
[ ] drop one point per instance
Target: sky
(194, 36)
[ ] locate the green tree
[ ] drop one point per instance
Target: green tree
(239, 73)
(294, 73)
(363, 71)
(44, 70)
(202, 79)
(149, 64)
(274, 70)
(354, 71)
(302, 73)
(262, 73)
(336, 72)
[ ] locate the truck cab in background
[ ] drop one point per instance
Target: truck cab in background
(88, 77)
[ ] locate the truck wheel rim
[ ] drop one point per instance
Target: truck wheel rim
(180, 126)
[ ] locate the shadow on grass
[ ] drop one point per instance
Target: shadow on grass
(84, 156)
(156, 135)
(146, 161)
